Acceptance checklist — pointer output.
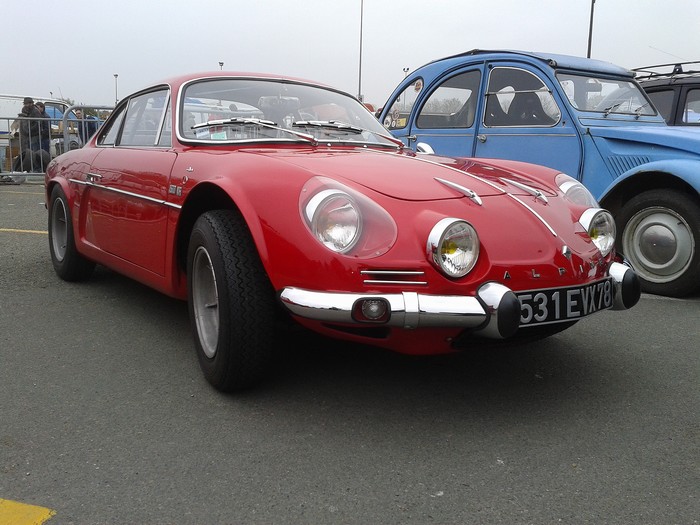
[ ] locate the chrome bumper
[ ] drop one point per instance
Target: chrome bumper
(494, 312)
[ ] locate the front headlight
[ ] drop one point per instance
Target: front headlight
(453, 247)
(600, 226)
(345, 220)
(335, 219)
(575, 192)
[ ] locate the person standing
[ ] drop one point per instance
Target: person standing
(29, 137)
(86, 126)
(44, 128)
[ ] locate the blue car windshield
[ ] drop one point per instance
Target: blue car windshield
(605, 95)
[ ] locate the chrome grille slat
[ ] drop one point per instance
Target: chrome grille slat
(393, 277)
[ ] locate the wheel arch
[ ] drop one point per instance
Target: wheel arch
(207, 197)
(615, 197)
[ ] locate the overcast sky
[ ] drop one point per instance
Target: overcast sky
(73, 48)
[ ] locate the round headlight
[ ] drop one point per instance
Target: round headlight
(335, 220)
(575, 192)
(600, 226)
(453, 247)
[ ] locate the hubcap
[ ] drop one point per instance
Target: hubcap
(59, 229)
(205, 302)
(659, 244)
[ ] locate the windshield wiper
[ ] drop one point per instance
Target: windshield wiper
(638, 111)
(610, 109)
(256, 122)
(327, 124)
(344, 126)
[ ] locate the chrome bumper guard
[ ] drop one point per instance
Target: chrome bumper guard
(494, 312)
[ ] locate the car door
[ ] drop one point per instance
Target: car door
(524, 119)
(127, 207)
(445, 117)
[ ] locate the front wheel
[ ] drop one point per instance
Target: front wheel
(659, 234)
(67, 262)
(231, 302)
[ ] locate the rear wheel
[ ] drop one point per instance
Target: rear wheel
(659, 233)
(231, 302)
(67, 262)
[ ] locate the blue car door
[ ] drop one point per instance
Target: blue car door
(442, 116)
(523, 118)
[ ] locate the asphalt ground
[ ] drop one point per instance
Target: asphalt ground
(105, 417)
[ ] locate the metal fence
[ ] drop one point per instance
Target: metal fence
(27, 145)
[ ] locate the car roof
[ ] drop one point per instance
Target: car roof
(553, 60)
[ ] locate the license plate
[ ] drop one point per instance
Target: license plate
(555, 305)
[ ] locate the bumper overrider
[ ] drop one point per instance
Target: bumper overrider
(495, 311)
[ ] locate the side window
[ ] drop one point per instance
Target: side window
(663, 100)
(691, 110)
(397, 117)
(108, 135)
(516, 97)
(452, 104)
(144, 116)
(166, 134)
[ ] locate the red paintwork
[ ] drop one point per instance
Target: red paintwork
(139, 238)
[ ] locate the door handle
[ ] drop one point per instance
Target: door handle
(410, 139)
(93, 177)
(482, 138)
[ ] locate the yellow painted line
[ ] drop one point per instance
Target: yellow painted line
(13, 230)
(14, 513)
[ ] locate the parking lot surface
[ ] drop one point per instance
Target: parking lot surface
(105, 417)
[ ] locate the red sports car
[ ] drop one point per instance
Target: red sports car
(251, 195)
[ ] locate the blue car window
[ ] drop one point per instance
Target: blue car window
(516, 97)
(397, 117)
(452, 104)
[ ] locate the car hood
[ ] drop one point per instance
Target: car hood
(660, 141)
(412, 177)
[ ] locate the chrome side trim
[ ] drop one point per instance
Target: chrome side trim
(123, 192)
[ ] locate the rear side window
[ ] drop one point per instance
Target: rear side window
(663, 100)
(452, 104)
(691, 110)
(144, 119)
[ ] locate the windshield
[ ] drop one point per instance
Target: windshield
(234, 110)
(605, 95)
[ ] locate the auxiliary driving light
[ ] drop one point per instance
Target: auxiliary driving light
(371, 311)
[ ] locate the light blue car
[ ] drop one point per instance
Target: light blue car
(587, 118)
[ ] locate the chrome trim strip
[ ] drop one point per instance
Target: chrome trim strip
(409, 310)
(392, 272)
(534, 213)
(380, 281)
(464, 191)
(532, 191)
(124, 192)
